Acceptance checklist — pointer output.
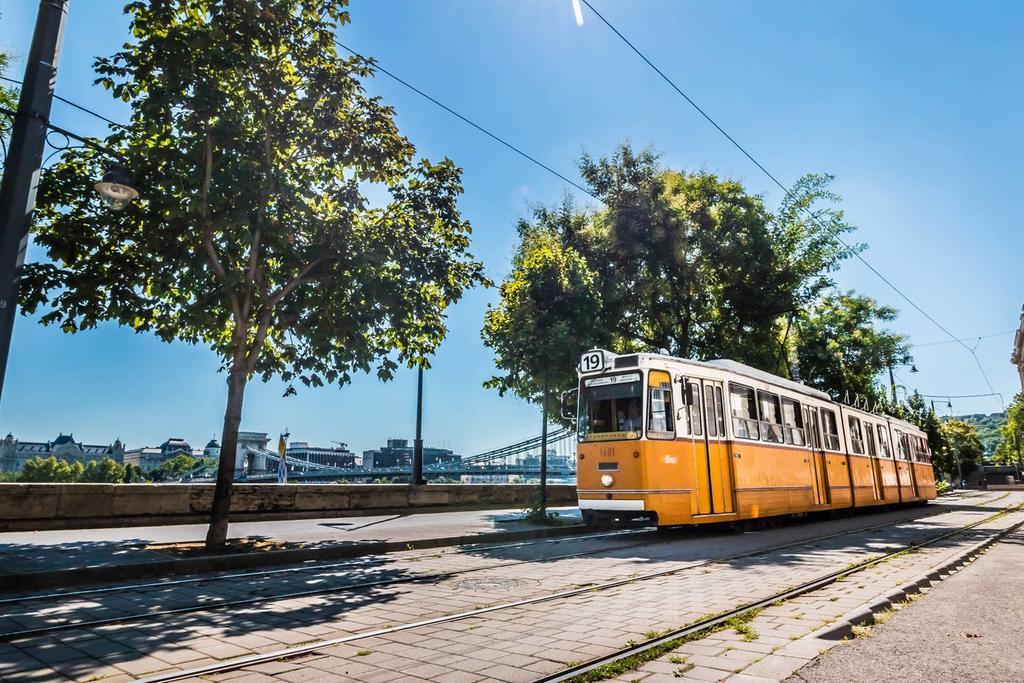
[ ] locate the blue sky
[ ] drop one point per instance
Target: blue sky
(915, 107)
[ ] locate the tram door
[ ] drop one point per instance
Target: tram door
(819, 472)
(714, 470)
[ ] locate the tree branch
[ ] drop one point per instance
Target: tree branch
(211, 250)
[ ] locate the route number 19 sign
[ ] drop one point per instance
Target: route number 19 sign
(592, 361)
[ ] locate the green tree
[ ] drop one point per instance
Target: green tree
(841, 346)
(50, 469)
(173, 468)
(694, 264)
(133, 474)
(255, 144)
(1010, 450)
(8, 99)
(546, 317)
(922, 415)
(690, 262)
(105, 471)
(960, 446)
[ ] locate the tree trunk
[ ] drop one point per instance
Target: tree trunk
(544, 454)
(216, 536)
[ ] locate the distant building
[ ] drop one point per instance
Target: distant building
(212, 449)
(145, 458)
(339, 456)
(175, 446)
(1017, 358)
(14, 453)
(398, 453)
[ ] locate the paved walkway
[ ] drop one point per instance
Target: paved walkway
(967, 628)
(548, 605)
(30, 551)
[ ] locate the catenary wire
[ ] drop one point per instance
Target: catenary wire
(456, 114)
(788, 193)
(528, 157)
(72, 104)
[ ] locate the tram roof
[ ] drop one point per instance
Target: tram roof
(766, 377)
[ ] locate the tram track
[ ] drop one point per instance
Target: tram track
(578, 671)
(433, 577)
(285, 653)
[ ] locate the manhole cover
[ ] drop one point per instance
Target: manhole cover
(490, 584)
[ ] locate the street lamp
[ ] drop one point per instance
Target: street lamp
(117, 187)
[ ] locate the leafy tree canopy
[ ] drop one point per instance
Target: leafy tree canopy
(8, 98)
(254, 143)
(840, 346)
(1010, 449)
(105, 471)
(686, 262)
(174, 468)
(50, 469)
(548, 311)
(960, 443)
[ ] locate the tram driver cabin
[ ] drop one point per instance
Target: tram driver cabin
(690, 442)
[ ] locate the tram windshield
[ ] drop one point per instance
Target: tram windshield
(611, 407)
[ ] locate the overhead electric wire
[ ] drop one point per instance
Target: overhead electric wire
(72, 104)
(456, 114)
(786, 190)
(964, 339)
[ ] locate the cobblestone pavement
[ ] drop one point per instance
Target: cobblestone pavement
(512, 644)
(967, 628)
(28, 551)
(781, 640)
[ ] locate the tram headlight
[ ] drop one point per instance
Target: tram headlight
(607, 480)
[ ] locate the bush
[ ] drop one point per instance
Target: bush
(942, 486)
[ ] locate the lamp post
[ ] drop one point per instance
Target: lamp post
(24, 157)
(417, 445)
(21, 170)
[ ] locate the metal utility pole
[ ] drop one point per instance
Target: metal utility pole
(417, 445)
(24, 157)
(544, 452)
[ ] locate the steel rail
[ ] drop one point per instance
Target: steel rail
(573, 672)
(261, 658)
(219, 604)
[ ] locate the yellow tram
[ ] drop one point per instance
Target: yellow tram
(691, 442)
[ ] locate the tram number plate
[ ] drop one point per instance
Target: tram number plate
(592, 361)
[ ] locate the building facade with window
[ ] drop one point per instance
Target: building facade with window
(14, 453)
(1017, 358)
(398, 454)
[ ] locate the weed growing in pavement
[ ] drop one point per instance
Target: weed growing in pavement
(681, 671)
(745, 630)
(364, 653)
(676, 659)
(573, 662)
(651, 635)
(861, 631)
(632, 662)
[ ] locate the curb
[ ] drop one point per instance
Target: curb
(200, 565)
(865, 614)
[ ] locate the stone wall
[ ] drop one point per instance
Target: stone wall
(25, 507)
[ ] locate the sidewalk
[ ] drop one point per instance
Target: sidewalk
(967, 628)
(104, 554)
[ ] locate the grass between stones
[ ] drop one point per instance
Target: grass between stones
(626, 664)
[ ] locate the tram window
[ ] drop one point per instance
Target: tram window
(693, 408)
(719, 411)
(709, 410)
(811, 420)
(611, 407)
(744, 412)
(856, 439)
(771, 416)
(793, 420)
(659, 411)
(831, 429)
(869, 439)
(883, 441)
(901, 445)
